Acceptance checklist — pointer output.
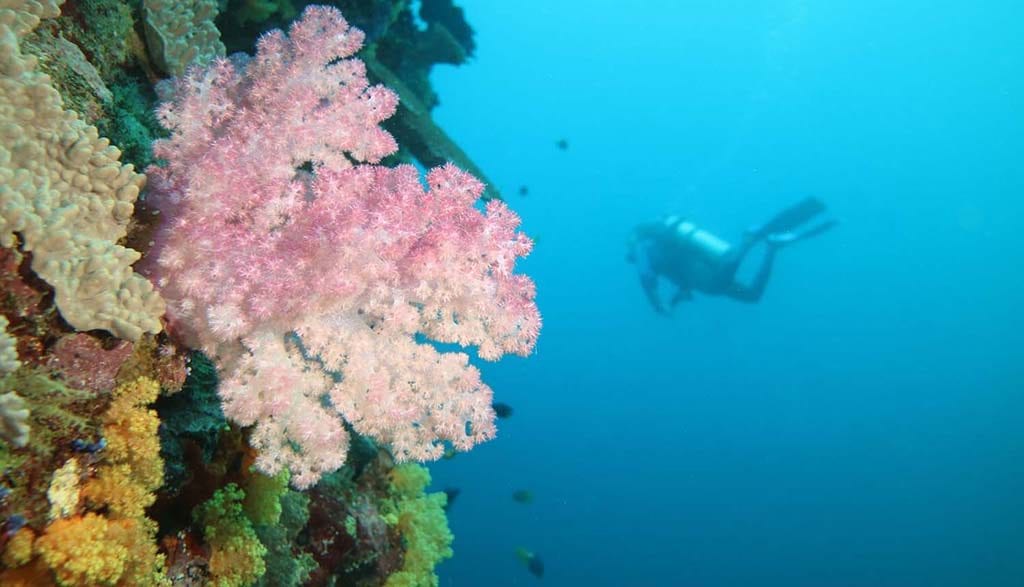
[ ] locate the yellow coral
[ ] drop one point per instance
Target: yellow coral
(93, 550)
(131, 431)
(116, 488)
(80, 551)
(19, 548)
(133, 468)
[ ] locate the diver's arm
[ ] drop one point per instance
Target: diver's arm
(649, 281)
(641, 234)
(641, 255)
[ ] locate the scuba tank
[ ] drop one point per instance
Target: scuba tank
(687, 232)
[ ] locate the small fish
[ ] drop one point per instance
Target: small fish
(452, 493)
(13, 524)
(563, 144)
(524, 191)
(536, 567)
(79, 445)
(502, 410)
(449, 452)
(523, 496)
(533, 562)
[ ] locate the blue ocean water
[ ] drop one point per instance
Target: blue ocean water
(864, 424)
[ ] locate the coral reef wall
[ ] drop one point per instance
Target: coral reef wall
(176, 410)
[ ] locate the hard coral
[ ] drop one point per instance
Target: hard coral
(309, 277)
(181, 33)
(65, 196)
(8, 349)
(14, 427)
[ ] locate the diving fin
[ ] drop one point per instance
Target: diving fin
(792, 217)
(817, 229)
(780, 239)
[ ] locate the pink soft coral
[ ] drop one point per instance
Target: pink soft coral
(306, 271)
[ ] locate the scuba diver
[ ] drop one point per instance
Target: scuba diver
(693, 259)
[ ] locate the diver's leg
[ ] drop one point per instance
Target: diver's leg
(729, 264)
(752, 293)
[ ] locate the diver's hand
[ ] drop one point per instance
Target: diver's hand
(682, 295)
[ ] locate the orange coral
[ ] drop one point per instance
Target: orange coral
(93, 550)
(79, 550)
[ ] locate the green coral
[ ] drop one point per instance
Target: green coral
(351, 526)
(420, 519)
(251, 533)
(258, 11)
(190, 416)
(285, 568)
(263, 497)
(236, 553)
(131, 121)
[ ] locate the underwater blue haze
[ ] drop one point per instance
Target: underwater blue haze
(864, 424)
